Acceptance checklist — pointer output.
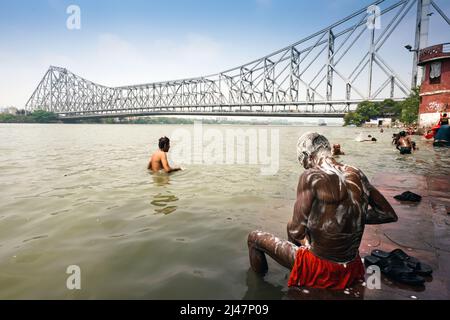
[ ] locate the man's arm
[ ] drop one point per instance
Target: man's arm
(381, 211)
(408, 141)
(296, 228)
(166, 166)
(149, 167)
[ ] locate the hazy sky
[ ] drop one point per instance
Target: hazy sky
(139, 41)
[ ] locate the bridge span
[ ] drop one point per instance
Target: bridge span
(325, 74)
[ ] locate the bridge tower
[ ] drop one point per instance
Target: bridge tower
(421, 42)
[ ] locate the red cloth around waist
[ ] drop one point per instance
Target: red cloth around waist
(314, 272)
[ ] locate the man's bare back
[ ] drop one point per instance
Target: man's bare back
(156, 161)
(332, 210)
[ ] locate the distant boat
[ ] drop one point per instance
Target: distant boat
(322, 122)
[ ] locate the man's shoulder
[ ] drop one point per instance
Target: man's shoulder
(352, 169)
(159, 154)
(310, 177)
(312, 171)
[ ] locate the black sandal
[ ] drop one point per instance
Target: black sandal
(396, 269)
(420, 268)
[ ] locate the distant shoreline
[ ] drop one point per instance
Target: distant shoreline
(50, 117)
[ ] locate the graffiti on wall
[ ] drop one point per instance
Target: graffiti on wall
(436, 107)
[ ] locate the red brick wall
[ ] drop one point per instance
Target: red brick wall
(435, 103)
(440, 101)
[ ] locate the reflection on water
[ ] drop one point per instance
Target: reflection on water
(160, 179)
(162, 200)
(81, 194)
(260, 289)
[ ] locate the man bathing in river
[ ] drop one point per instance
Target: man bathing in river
(158, 160)
(337, 150)
(325, 232)
(404, 143)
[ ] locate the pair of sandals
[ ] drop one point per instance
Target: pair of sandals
(399, 266)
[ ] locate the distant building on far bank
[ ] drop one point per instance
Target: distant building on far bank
(435, 88)
(12, 110)
(379, 122)
(9, 110)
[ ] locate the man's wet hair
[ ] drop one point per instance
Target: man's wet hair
(163, 142)
(312, 144)
(444, 115)
(402, 134)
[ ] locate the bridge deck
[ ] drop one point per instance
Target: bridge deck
(200, 113)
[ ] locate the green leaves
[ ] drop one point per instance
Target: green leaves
(410, 108)
(353, 118)
(38, 116)
(406, 111)
(42, 116)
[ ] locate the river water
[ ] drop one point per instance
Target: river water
(74, 194)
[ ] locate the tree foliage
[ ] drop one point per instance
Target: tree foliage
(38, 116)
(410, 108)
(406, 111)
(41, 116)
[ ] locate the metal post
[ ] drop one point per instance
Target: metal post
(51, 91)
(269, 75)
(422, 27)
(371, 58)
(295, 74)
(392, 87)
(330, 62)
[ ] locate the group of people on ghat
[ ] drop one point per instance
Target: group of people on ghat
(439, 133)
(403, 143)
(334, 203)
(442, 132)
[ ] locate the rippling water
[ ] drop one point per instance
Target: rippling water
(81, 195)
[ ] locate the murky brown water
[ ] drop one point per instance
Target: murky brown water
(81, 195)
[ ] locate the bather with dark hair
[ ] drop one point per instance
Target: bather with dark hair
(158, 160)
(404, 143)
(164, 143)
(337, 150)
(444, 120)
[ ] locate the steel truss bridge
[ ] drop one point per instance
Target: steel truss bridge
(316, 76)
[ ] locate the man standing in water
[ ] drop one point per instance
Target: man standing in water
(337, 150)
(327, 226)
(404, 143)
(158, 160)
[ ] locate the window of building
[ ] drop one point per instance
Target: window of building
(435, 72)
